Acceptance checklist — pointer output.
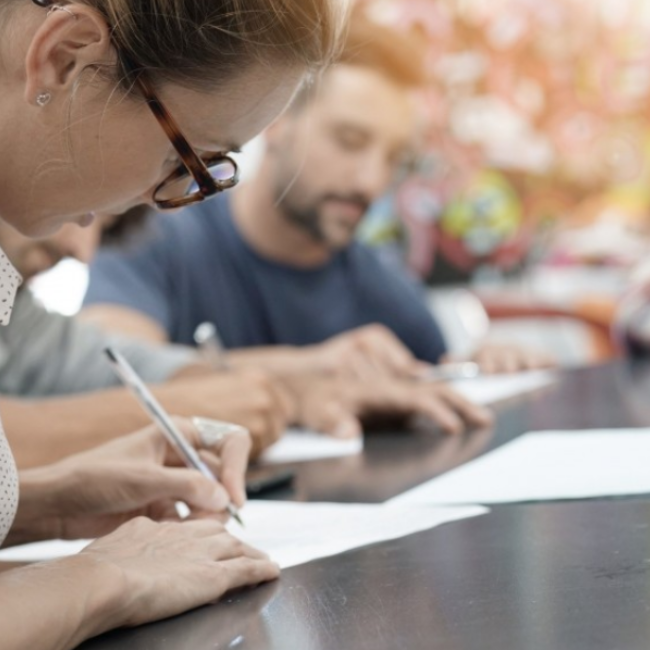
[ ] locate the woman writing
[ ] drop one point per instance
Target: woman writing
(106, 104)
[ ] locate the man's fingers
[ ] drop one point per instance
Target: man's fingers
(539, 360)
(364, 366)
(333, 418)
(440, 413)
(286, 401)
(487, 363)
(388, 352)
(510, 358)
(473, 414)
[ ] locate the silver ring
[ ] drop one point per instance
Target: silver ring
(212, 433)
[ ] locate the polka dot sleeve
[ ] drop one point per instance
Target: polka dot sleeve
(9, 282)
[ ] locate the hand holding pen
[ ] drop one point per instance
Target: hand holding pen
(211, 435)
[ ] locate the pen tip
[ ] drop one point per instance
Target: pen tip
(237, 517)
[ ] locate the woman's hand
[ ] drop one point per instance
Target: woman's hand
(171, 567)
(142, 572)
(92, 493)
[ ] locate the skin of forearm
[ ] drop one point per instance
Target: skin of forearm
(279, 360)
(36, 518)
(57, 605)
(122, 320)
(44, 431)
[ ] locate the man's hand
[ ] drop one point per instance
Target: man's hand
(338, 406)
(495, 358)
(252, 399)
(366, 353)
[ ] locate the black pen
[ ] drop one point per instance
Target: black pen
(151, 405)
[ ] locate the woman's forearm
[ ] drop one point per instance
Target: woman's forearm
(37, 517)
(57, 605)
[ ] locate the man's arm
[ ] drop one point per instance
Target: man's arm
(365, 352)
(125, 321)
(281, 359)
(333, 356)
(45, 430)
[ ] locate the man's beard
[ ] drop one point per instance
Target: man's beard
(309, 217)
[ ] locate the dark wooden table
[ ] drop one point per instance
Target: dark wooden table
(545, 576)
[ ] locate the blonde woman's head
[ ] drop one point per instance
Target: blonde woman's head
(82, 136)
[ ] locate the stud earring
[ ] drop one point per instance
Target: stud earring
(43, 99)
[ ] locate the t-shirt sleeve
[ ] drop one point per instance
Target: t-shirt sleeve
(46, 354)
(137, 278)
(400, 304)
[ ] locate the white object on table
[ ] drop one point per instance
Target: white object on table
(295, 533)
(301, 445)
(547, 465)
(489, 389)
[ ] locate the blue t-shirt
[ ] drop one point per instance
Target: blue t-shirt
(195, 266)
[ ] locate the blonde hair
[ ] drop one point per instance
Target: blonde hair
(204, 43)
(207, 42)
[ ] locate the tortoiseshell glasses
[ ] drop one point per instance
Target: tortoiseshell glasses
(200, 177)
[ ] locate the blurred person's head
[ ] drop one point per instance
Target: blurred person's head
(344, 141)
(91, 88)
(34, 256)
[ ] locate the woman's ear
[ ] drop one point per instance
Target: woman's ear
(71, 39)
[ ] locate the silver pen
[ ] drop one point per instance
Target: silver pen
(158, 414)
(451, 371)
(207, 339)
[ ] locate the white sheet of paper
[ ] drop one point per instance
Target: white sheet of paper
(546, 465)
(39, 551)
(299, 445)
(295, 533)
(494, 388)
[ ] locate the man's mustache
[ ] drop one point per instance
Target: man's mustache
(360, 200)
